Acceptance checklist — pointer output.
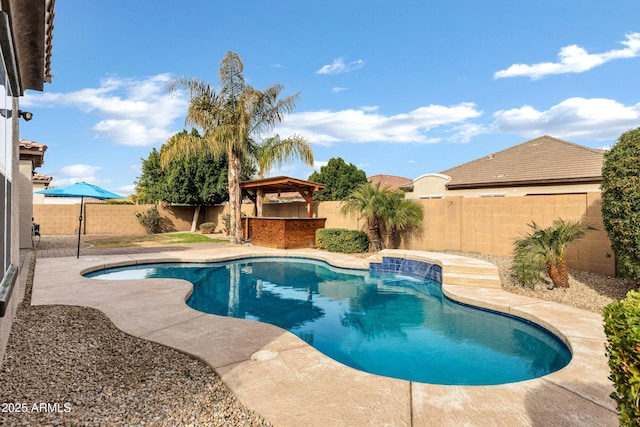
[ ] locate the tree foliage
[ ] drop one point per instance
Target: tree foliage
(230, 118)
(150, 183)
(621, 319)
(621, 201)
(388, 213)
(544, 248)
(340, 180)
(274, 152)
(197, 180)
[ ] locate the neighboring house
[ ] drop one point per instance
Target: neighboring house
(31, 157)
(543, 165)
(40, 182)
(391, 182)
(26, 28)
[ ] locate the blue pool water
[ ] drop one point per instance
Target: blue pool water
(383, 323)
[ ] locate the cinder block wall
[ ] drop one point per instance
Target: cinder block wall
(107, 219)
(483, 225)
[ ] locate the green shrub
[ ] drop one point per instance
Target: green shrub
(207, 227)
(342, 240)
(150, 220)
(621, 201)
(622, 327)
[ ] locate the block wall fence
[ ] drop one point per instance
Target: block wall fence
(483, 225)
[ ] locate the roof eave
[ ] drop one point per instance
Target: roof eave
(529, 183)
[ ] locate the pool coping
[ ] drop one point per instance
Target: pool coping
(290, 383)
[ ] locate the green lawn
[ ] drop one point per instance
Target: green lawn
(151, 240)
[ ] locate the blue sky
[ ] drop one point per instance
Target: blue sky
(400, 88)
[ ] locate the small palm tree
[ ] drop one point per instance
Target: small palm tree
(386, 212)
(544, 248)
(400, 215)
(368, 201)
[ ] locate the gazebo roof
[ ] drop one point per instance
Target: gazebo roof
(281, 184)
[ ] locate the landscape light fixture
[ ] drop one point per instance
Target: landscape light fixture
(26, 115)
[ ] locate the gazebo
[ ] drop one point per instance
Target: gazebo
(282, 233)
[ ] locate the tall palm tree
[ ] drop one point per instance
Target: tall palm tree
(544, 248)
(274, 152)
(230, 120)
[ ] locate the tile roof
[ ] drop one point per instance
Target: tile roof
(540, 161)
(30, 150)
(390, 181)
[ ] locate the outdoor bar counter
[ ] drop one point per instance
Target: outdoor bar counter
(282, 233)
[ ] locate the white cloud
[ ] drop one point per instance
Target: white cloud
(126, 189)
(367, 125)
(71, 174)
(79, 170)
(595, 118)
(131, 112)
(338, 66)
(318, 164)
(573, 59)
(338, 89)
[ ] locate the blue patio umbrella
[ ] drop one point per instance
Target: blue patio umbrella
(82, 190)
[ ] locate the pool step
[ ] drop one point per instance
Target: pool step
(473, 280)
(456, 270)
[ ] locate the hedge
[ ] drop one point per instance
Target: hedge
(342, 240)
(622, 327)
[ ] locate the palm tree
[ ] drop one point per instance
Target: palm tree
(230, 120)
(274, 152)
(544, 248)
(400, 215)
(386, 212)
(368, 201)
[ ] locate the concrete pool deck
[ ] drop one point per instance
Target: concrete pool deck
(289, 383)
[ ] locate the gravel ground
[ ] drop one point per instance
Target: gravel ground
(71, 366)
(91, 374)
(588, 291)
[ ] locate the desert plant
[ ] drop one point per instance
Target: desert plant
(207, 227)
(544, 248)
(622, 327)
(150, 220)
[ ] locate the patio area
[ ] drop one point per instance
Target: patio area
(289, 383)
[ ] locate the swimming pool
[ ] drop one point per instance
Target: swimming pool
(388, 324)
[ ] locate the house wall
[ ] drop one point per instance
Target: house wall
(435, 185)
(25, 188)
(466, 224)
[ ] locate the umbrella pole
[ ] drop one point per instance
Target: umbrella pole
(80, 225)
